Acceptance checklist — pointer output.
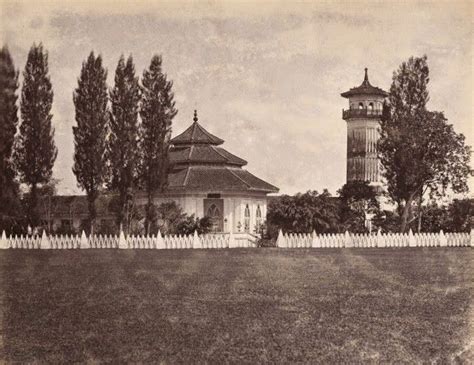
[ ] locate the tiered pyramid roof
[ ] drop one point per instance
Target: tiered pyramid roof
(197, 163)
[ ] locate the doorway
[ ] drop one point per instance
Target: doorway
(214, 209)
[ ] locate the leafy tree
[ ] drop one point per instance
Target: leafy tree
(386, 221)
(190, 224)
(172, 220)
(460, 213)
(46, 205)
(123, 140)
(90, 101)
(454, 217)
(419, 150)
(157, 112)
(9, 202)
(304, 212)
(435, 218)
(358, 202)
(35, 151)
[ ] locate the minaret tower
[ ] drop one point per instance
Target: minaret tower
(363, 118)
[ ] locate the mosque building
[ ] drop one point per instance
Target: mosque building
(207, 180)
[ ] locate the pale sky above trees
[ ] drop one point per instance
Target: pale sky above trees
(264, 78)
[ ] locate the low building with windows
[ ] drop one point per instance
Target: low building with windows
(69, 213)
(204, 179)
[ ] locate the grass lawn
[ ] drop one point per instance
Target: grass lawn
(239, 305)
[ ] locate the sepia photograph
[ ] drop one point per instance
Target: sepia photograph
(236, 182)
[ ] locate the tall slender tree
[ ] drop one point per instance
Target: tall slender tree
(90, 100)
(157, 111)
(8, 125)
(420, 152)
(35, 150)
(123, 140)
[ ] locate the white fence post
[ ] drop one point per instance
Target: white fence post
(443, 242)
(196, 241)
(411, 239)
(232, 242)
(122, 243)
(4, 242)
(83, 241)
(44, 243)
(314, 239)
(280, 239)
(160, 242)
(380, 239)
(347, 240)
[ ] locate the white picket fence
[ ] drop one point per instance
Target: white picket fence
(220, 240)
(341, 240)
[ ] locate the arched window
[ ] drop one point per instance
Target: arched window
(214, 215)
(247, 219)
(361, 106)
(371, 106)
(258, 218)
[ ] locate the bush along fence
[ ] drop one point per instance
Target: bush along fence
(219, 240)
(340, 240)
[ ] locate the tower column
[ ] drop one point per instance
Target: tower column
(362, 131)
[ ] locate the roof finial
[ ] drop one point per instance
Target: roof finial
(195, 115)
(366, 77)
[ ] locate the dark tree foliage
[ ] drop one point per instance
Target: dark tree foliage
(35, 150)
(90, 101)
(304, 212)
(454, 217)
(386, 221)
(122, 150)
(461, 215)
(419, 150)
(9, 203)
(157, 112)
(172, 220)
(8, 116)
(358, 201)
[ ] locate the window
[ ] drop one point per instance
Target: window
(247, 219)
(371, 106)
(361, 106)
(258, 216)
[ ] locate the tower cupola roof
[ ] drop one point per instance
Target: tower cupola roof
(196, 134)
(365, 89)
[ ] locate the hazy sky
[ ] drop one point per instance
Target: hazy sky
(265, 78)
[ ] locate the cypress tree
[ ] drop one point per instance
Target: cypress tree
(157, 112)
(8, 125)
(123, 140)
(35, 150)
(90, 101)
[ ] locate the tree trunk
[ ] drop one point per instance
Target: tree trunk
(33, 214)
(120, 210)
(149, 212)
(405, 214)
(420, 201)
(91, 197)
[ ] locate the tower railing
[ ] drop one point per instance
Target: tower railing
(361, 113)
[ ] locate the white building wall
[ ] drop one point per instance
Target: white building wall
(234, 208)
